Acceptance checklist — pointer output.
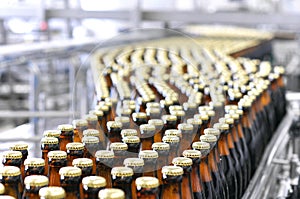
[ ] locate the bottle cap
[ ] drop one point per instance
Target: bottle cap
(91, 132)
(90, 140)
(160, 146)
(122, 119)
(113, 124)
(169, 118)
(131, 139)
(122, 171)
(234, 116)
(79, 123)
(34, 162)
(75, 146)
(200, 145)
(211, 131)
(2, 189)
(204, 108)
(194, 121)
(226, 120)
(221, 126)
(172, 170)
(182, 161)
(111, 193)
(147, 127)
(98, 113)
(185, 127)
(191, 153)
(120, 146)
(49, 140)
(57, 155)
(133, 162)
(148, 154)
(208, 138)
(10, 171)
(188, 105)
(175, 108)
(36, 180)
(52, 192)
(150, 111)
(90, 117)
(70, 171)
(147, 182)
(82, 162)
(139, 115)
(129, 132)
(156, 122)
(19, 147)
(12, 154)
(65, 127)
(171, 139)
(104, 154)
(173, 132)
(203, 116)
(52, 133)
(104, 108)
(94, 181)
(210, 113)
(153, 105)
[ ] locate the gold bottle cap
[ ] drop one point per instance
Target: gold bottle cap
(131, 139)
(104, 154)
(191, 153)
(70, 171)
(129, 132)
(113, 124)
(82, 162)
(10, 171)
(179, 113)
(211, 131)
(34, 162)
(216, 103)
(279, 70)
(166, 102)
(12, 154)
(226, 120)
(200, 145)
(147, 182)
(175, 108)
(52, 133)
(90, 117)
(36, 180)
(245, 104)
(147, 127)
(148, 154)
(133, 162)
(120, 146)
(182, 161)
(104, 108)
(2, 189)
(156, 122)
(172, 170)
(65, 127)
(210, 113)
(79, 123)
(75, 146)
(150, 111)
(239, 112)
(234, 116)
(49, 140)
(185, 127)
(173, 132)
(19, 147)
(90, 140)
(160, 146)
(52, 192)
(187, 105)
(208, 138)
(111, 193)
(171, 139)
(203, 116)
(139, 115)
(93, 181)
(204, 108)
(153, 105)
(169, 118)
(194, 121)
(122, 119)
(57, 155)
(221, 126)
(91, 132)
(121, 171)
(98, 113)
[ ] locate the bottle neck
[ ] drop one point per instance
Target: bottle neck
(65, 138)
(89, 192)
(71, 186)
(104, 168)
(123, 183)
(144, 193)
(171, 187)
(150, 167)
(54, 166)
(34, 170)
(31, 192)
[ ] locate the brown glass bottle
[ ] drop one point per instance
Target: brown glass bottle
(79, 126)
(91, 145)
(74, 150)
(104, 162)
(170, 122)
(186, 185)
(120, 152)
(187, 133)
(52, 133)
(147, 188)
(173, 141)
(48, 144)
(134, 145)
(197, 123)
(147, 132)
(139, 118)
(124, 120)
(13, 158)
(122, 179)
(190, 109)
(34, 166)
(96, 133)
(92, 185)
(23, 148)
(137, 165)
(180, 115)
(92, 121)
(153, 113)
(159, 124)
(10, 177)
(85, 164)
(111, 193)
(52, 192)
(150, 161)
(70, 178)
(32, 186)
(66, 135)
(57, 160)
(205, 123)
(114, 131)
(172, 179)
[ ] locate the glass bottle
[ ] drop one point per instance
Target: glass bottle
(23, 148)
(79, 126)
(190, 109)
(122, 179)
(128, 132)
(186, 131)
(52, 192)
(173, 141)
(173, 132)
(170, 122)
(85, 164)
(57, 160)
(74, 150)
(153, 113)
(120, 152)
(147, 132)
(186, 185)
(134, 145)
(10, 177)
(48, 144)
(66, 135)
(52, 133)
(172, 179)
(104, 162)
(32, 186)
(70, 178)
(147, 188)
(205, 123)
(158, 123)
(34, 166)
(13, 158)
(92, 121)
(92, 185)
(139, 118)
(91, 145)
(197, 123)
(114, 131)
(111, 193)
(124, 120)
(150, 161)
(180, 114)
